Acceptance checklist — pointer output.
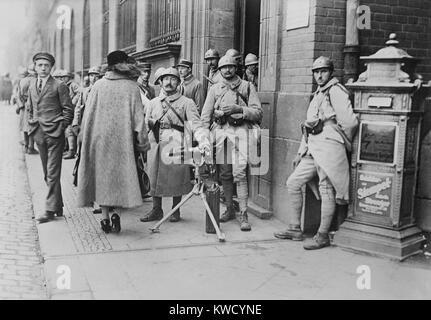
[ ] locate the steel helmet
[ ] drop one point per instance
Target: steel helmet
(234, 53)
(251, 59)
(212, 54)
(171, 71)
(94, 70)
(227, 61)
(57, 73)
(157, 74)
(322, 62)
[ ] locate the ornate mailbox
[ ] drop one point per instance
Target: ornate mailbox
(385, 156)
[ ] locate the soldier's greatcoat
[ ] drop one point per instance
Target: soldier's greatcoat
(331, 103)
(168, 177)
(192, 88)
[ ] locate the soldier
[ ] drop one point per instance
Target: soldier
(167, 116)
(237, 56)
(327, 134)
(190, 86)
(93, 76)
(75, 93)
(231, 108)
(212, 58)
(147, 91)
(251, 69)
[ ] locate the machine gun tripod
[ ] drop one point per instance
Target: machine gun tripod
(199, 189)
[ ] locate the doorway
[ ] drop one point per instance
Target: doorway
(248, 22)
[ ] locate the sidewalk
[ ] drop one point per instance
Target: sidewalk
(21, 271)
(183, 262)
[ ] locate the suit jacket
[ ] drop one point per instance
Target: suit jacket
(52, 109)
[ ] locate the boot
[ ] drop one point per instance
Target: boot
(243, 222)
(156, 213)
(293, 233)
(31, 150)
(69, 155)
(229, 214)
(319, 241)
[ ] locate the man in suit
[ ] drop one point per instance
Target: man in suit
(50, 111)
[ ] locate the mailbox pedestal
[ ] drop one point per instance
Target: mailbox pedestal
(385, 157)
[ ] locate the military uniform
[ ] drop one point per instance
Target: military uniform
(192, 88)
(327, 134)
(241, 93)
(215, 77)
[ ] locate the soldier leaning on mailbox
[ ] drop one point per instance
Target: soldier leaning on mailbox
(232, 108)
(327, 135)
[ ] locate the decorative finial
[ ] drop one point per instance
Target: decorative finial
(392, 40)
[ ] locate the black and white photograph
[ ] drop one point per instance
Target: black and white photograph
(216, 155)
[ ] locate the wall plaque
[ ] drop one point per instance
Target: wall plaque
(374, 193)
(378, 142)
(297, 14)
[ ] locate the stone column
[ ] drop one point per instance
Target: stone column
(113, 22)
(143, 27)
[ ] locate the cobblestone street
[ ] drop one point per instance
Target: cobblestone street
(21, 272)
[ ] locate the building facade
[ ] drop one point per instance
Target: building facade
(287, 35)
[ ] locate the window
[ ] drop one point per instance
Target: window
(105, 28)
(86, 35)
(127, 25)
(165, 22)
(72, 44)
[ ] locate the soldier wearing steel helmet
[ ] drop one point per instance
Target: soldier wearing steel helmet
(212, 58)
(238, 58)
(251, 64)
(170, 117)
(327, 135)
(232, 107)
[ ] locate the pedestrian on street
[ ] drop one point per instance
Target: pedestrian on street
(327, 135)
(23, 87)
(212, 58)
(232, 108)
(113, 125)
(251, 69)
(173, 119)
(190, 87)
(50, 111)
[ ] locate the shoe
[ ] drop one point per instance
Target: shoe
(106, 227)
(243, 222)
(97, 211)
(69, 155)
(116, 225)
(32, 151)
(59, 213)
(48, 216)
(294, 234)
(175, 217)
(154, 215)
(319, 241)
(229, 214)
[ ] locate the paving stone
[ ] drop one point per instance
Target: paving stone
(20, 260)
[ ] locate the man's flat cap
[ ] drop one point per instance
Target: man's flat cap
(44, 55)
(144, 66)
(185, 63)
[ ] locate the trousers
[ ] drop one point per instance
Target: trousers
(51, 155)
(306, 170)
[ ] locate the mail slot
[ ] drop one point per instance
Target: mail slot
(385, 154)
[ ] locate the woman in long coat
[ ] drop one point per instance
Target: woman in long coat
(112, 127)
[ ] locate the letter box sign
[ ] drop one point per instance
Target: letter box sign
(378, 142)
(374, 193)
